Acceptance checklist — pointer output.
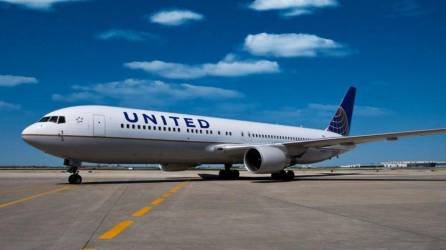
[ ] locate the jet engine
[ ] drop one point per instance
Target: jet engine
(265, 159)
(176, 166)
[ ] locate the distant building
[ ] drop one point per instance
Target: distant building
(399, 164)
(411, 164)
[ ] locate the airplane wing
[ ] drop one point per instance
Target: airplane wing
(352, 140)
(325, 142)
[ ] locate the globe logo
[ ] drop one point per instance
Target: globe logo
(339, 124)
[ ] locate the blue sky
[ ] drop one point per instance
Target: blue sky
(286, 62)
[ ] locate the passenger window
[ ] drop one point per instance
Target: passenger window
(122, 125)
(128, 125)
(179, 130)
(139, 126)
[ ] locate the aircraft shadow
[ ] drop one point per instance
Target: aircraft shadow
(204, 177)
(261, 179)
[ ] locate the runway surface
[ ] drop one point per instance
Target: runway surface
(399, 209)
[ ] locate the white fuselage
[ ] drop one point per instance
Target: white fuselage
(103, 134)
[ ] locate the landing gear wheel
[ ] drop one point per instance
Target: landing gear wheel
(290, 175)
(75, 179)
(222, 174)
(235, 174)
(276, 176)
(283, 175)
(228, 174)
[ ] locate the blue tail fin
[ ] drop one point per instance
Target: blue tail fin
(342, 120)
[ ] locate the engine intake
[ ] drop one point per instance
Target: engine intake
(265, 159)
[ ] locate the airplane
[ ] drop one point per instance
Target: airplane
(104, 134)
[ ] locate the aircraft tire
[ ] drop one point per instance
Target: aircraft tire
(289, 175)
(228, 174)
(283, 175)
(75, 179)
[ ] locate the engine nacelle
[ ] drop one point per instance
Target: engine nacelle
(265, 159)
(176, 166)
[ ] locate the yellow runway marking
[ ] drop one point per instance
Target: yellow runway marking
(116, 230)
(119, 228)
(166, 195)
(177, 187)
(157, 201)
(142, 211)
(89, 248)
(31, 197)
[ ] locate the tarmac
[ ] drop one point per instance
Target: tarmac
(348, 209)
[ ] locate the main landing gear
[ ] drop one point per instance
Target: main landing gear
(73, 167)
(283, 175)
(228, 174)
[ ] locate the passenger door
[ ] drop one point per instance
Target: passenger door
(98, 125)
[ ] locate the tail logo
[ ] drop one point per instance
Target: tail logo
(339, 123)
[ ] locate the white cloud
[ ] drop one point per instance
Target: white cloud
(292, 7)
(224, 68)
(137, 92)
(9, 106)
(12, 81)
(129, 35)
(408, 8)
(297, 12)
(292, 45)
(78, 97)
(175, 17)
(37, 4)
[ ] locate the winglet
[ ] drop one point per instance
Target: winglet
(342, 120)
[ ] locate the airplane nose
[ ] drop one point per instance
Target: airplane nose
(27, 130)
(37, 136)
(29, 134)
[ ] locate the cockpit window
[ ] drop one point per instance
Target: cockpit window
(53, 119)
(44, 119)
(61, 119)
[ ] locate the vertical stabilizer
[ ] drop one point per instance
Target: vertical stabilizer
(342, 120)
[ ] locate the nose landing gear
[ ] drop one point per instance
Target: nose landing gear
(75, 179)
(73, 167)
